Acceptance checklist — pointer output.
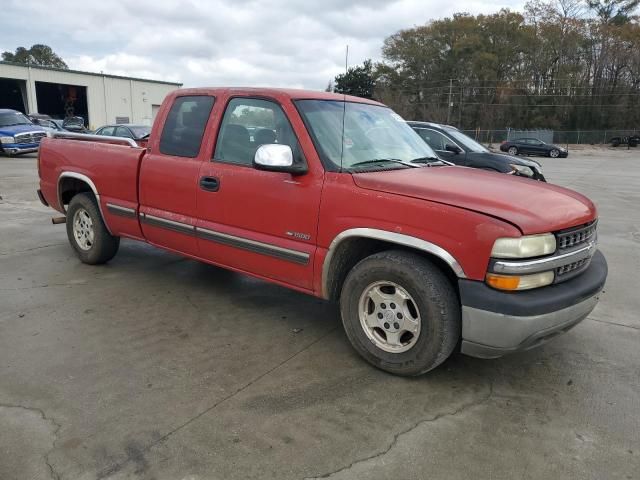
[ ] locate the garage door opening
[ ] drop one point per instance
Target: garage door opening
(13, 94)
(62, 101)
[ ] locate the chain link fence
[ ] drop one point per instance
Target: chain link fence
(567, 137)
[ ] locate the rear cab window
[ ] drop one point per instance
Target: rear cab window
(185, 125)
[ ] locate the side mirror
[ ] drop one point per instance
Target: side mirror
(452, 148)
(274, 157)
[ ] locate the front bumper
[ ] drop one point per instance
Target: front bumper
(16, 148)
(495, 323)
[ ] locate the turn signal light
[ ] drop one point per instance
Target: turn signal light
(503, 282)
(519, 282)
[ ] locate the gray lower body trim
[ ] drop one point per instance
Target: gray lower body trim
(121, 211)
(490, 335)
(254, 246)
(168, 224)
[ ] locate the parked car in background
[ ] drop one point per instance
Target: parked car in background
(18, 134)
(632, 141)
(139, 133)
(75, 125)
(46, 122)
(533, 146)
(451, 145)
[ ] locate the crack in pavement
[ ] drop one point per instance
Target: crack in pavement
(46, 285)
(107, 472)
(484, 399)
(3, 254)
(54, 475)
(613, 323)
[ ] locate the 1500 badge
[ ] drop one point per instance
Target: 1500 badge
(298, 235)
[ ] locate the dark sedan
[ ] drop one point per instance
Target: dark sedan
(139, 133)
(532, 146)
(452, 145)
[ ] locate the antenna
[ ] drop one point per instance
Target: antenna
(346, 60)
(344, 104)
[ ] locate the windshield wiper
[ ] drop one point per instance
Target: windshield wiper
(379, 160)
(431, 161)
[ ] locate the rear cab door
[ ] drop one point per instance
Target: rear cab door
(168, 178)
(257, 221)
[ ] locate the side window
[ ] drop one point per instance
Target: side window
(106, 131)
(123, 132)
(434, 139)
(184, 126)
(249, 123)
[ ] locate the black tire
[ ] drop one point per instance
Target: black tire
(554, 153)
(104, 245)
(435, 299)
(512, 151)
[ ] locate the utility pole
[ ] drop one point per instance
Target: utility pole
(460, 107)
(450, 101)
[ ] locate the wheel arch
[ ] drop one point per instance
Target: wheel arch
(351, 246)
(72, 183)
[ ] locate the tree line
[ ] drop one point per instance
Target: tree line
(559, 64)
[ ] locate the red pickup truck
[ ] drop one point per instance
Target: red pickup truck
(337, 197)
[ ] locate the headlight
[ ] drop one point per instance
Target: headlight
(521, 170)
(7, 140)
(524, 247)
(519, 282)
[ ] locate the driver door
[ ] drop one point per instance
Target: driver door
(258, 221)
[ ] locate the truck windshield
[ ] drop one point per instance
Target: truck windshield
(13, 118)
(374, 136)
(467, 142)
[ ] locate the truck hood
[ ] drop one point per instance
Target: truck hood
(533, 207)
(13, 129)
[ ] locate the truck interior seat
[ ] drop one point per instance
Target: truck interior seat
(235, 144)
(264, 136)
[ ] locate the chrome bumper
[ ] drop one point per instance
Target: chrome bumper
(15, 148)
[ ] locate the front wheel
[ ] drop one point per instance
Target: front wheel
(513, 151)
(555, 153)
(87, 232)
(400, 312)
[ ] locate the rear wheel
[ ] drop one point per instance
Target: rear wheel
(400, 312)
(513, 151)
(87, 232)
(555, 153)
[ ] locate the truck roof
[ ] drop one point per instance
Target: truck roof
(281, 93)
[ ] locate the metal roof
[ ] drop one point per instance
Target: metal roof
(63, 70)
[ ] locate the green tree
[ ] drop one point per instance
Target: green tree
(38, 54)
(615, 12)
(358, 81)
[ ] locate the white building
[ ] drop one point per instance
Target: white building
(100, 99)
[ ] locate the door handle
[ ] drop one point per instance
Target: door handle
(210, 184)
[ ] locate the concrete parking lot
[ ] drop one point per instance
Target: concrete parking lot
(158, 367)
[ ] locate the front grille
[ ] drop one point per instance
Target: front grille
(571, 269)
(572, 239)
(29, 137)
(577, 236)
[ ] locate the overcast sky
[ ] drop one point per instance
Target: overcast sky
(292, 43)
